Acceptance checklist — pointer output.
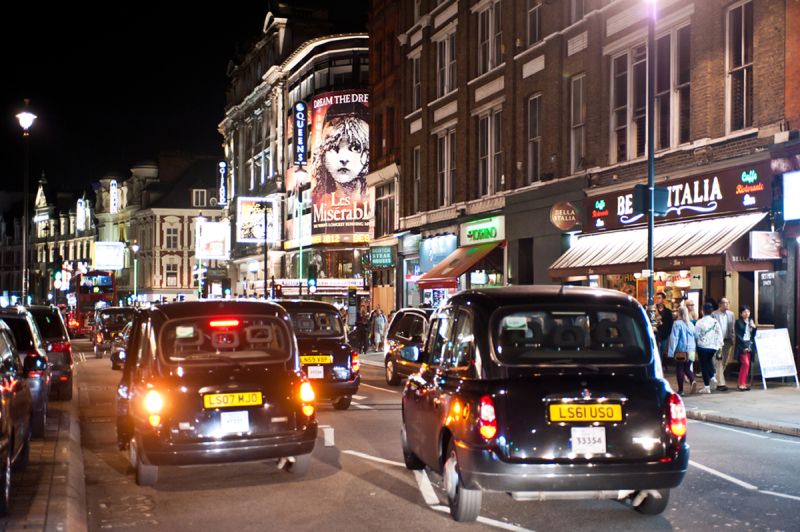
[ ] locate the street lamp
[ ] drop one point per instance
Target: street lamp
(651, 148)
(135, 249)
(26, 119)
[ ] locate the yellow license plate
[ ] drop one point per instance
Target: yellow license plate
(316, 359)
(587, 412)
(225, 400)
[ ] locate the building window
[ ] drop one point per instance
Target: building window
(578, 123)
(172, 274)
(489, 38)
(490, 153)
(576, 11)
(446, 65)
(534, 139)
(534, 22)
(416, 84)
(740, 66)
(384, 210)
(416, 175)
(198, 198)
(445, 167)
(172, 238)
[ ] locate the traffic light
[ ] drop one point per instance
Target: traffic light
(312, 278)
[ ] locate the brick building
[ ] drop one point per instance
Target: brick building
(522, 113)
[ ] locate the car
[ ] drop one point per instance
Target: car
(50, 321)
(544, 392)
(327, 357)
(16, 408)
(210, 382)
(108, 324)
(119, 347)
(32, 351)
(403, 341)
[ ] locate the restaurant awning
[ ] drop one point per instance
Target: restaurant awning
(446, 273)
(677, 245)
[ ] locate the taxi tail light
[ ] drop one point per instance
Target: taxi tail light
(225, 323)
(61, 347)
(676, 416)
(487, 421)
(99, 338)
(355, 364)
(153, 403)
(307, 397)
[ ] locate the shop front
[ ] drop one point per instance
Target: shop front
(408, 250)
(714, 241)
(478, 263)
(382, 260)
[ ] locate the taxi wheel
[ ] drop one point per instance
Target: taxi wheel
(412, 462)
(342, 403)
(391, 373)
(652, 505)
(5, 485)
(146, 474)
(465, 504)
(300, 465)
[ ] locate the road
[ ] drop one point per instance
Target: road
(738, 480)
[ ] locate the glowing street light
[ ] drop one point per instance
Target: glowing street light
(26, 119)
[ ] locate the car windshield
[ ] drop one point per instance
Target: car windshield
(317, 323)
(240, 339)
(49, 323)
(558, 335)
(116, 319)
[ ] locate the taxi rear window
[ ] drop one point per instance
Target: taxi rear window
(239, 339)
(537, 335)
(316, 323)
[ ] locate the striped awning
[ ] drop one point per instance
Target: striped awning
(694, 243)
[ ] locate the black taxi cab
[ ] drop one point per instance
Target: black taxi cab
(544, 392)
(214, 382)
(327, 357)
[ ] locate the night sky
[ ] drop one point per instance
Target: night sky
(114, 84)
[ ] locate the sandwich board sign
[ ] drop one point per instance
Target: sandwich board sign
(775, 356)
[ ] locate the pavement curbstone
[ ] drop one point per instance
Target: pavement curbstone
(716, 417)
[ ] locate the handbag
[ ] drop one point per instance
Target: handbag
(681, 356)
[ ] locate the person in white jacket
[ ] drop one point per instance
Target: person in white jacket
(708, 336)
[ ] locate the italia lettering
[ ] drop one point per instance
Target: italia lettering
(699, 191)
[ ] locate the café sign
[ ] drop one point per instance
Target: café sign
(564, 215)
(727, 191)
(483, 231)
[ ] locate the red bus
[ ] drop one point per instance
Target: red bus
(90, 289)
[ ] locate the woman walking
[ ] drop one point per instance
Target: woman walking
(378, 328)
(682, 348)
(745, 345)
(708, 336)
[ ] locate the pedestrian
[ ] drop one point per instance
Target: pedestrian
(712, 301)
(692, 311)
(708, 336)
(361, 331)
(745, 345)
(726, 320)
(378, 328)
(683, 349)
(664, 320)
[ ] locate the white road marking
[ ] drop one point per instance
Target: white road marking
(487, 521)
(718, 426)
(426, 488)
(372, 363)
(374, 458)
(723, 476)
(359, 397)
(776, 494)
(362, 407)
(379, 388)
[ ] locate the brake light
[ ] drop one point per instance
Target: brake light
(487, 421)
(61, 347)
(355, 365)
(223, 324)
(307, 397)
(153, 402)
(676, 416)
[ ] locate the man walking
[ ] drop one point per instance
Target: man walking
(664, 321)
(726, 320)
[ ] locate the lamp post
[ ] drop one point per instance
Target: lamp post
(26, 119)
(200, 219)
(135, 249)
(267, 208)
(651, 148)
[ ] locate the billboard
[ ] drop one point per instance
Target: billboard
(250, 219)
(213, 241)
(791, 191)
(340, 162)
(108, 256)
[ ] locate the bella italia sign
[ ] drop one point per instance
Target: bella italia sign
(727, 191)
(484, 230)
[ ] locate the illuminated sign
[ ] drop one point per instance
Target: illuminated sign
(381, 256)
(108, 256)
(223, 192)
(791, 191)
(80, 216)
(213, 241)
(113, 205)
(482, 231)
(251, 218)
(564, 215)
(300, 120)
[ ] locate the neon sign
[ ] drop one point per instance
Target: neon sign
(300, 116)
(749, 177)
(112, 192)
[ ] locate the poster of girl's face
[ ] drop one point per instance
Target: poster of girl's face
(340, 162)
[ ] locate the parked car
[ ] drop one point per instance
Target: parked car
(214, 382)
(31, 350)
(50, 321)
(403, 342)
(119, 347)
(325, 354)
(16, 408)
(108, 324)
(544, 392)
